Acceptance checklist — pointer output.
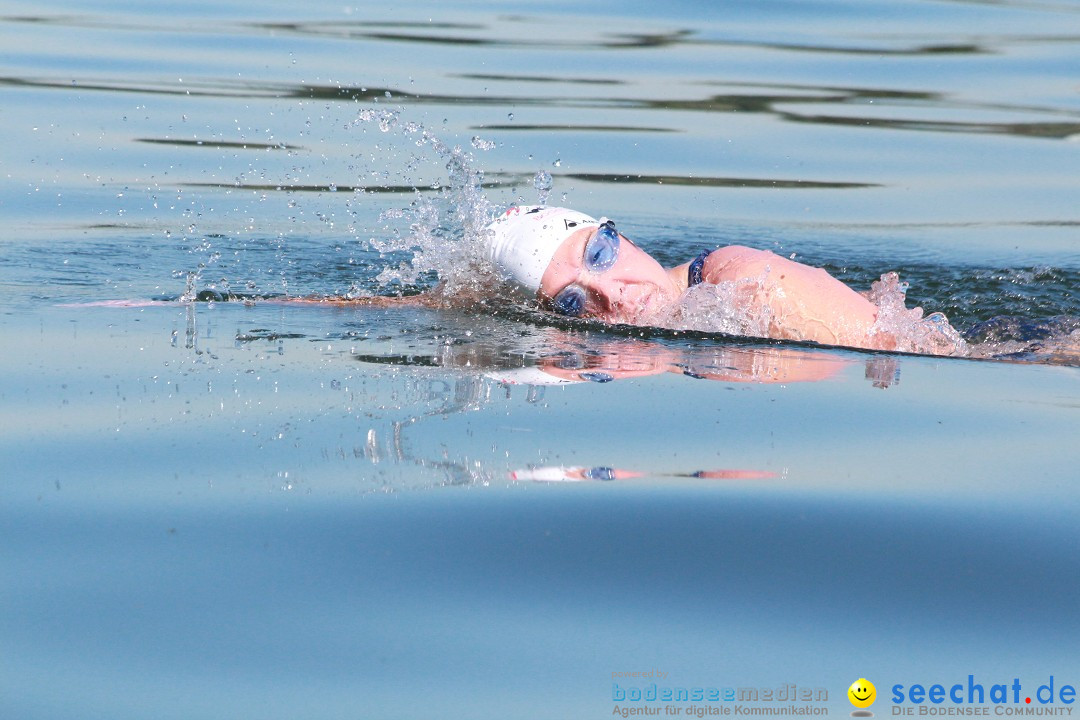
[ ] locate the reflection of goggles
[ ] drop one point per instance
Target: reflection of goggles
(574, 361)
(601, 252)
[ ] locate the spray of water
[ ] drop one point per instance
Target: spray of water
(930, 335)
(725, 307)
(446, 229)
(542, 182)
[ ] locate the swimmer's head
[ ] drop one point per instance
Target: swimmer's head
(522, 242)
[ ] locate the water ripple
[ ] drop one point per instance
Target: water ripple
(784, 105)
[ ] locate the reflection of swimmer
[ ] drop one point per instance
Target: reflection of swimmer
(563, 358)
(578, 266)
(558, 357)
(584, 474)
(759, 364)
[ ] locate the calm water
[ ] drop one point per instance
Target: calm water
(219, 510)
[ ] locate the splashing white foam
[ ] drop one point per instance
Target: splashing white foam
(445, 230)
(930, 335)
(725, 307)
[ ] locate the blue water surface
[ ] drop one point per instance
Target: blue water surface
(273, 510)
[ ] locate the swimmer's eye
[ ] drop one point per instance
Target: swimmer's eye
(602, 250)
(570, 301)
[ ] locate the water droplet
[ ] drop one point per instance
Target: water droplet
(480, 144)
(557, 163)
(542, 183)
(387, 120)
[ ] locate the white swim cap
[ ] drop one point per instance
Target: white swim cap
(522, 242)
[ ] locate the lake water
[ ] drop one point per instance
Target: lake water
(278, 510)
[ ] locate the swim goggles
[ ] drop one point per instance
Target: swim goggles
(600, 255)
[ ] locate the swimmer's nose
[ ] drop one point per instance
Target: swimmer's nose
(606, 292)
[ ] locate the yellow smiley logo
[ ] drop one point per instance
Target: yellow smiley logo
(862, 693)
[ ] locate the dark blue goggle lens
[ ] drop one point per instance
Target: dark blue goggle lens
(570, 301)
(602, 250)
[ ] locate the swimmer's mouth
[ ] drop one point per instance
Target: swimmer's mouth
(632, 309)
(645, 307)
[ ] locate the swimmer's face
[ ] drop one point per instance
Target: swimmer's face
(633, 288)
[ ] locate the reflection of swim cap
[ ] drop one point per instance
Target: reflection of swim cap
(529, 375)
(524, 239)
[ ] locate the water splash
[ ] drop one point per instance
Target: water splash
(543, 183)
(930, 335)
(446, 231)
(386, 120)
(190, 287)
(726, 307)
(480, 143)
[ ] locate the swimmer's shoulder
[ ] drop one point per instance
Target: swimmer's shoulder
(732, 262)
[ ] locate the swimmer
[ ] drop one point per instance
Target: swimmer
(579, 266)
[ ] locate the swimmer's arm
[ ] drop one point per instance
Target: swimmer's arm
(421, 300)
(806, 302)
(437, 297)
(382, 301)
